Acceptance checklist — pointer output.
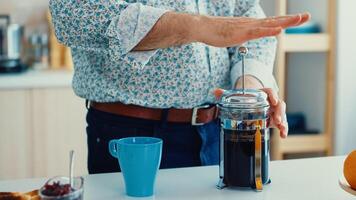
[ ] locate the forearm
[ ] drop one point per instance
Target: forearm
(251, 82)
(172, 29)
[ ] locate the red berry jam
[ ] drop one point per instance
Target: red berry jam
(57, 189)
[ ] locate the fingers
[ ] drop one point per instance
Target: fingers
(218, 92)
(305, 17)
(279, 21)
(282, 21)
(283, 129)
(277, 114)
(279, 119)
(255, 33)
(272, 96)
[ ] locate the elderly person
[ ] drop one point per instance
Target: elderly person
(146, 67)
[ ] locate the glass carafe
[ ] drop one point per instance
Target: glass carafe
(244, 139)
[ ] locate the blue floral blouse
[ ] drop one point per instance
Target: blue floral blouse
(102, 34)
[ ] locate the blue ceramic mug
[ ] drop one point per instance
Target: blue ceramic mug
(139, 159)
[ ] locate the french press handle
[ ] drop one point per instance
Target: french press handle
(258, 157)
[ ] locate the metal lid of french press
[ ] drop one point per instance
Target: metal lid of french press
(247, 99)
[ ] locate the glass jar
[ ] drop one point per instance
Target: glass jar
(244, 139)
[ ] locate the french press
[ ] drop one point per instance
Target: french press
(244, 137)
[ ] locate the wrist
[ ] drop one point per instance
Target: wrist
(251, 82)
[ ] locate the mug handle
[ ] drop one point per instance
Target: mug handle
(113, 148)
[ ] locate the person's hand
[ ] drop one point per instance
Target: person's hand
(232, 31)
(277, 107)
(278, 117)
(175, 29)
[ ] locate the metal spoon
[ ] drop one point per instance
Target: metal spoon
(71, 168)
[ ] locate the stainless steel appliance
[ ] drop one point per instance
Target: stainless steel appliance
(11, 45)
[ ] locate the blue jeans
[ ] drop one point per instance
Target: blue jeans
(184, 145)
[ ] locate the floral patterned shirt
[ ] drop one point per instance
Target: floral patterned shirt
(102, 34)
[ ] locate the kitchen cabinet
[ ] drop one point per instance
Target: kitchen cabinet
(58, 126)
(15, 134)
(39, 126)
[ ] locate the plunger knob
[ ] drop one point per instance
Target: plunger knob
(243, 51)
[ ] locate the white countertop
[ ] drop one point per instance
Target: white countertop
(36, 79)
(301, 179)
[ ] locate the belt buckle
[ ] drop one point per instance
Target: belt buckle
(195, 114)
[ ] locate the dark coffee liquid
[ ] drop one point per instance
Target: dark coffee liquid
(239, 163)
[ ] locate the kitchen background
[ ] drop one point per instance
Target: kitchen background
(41, 119)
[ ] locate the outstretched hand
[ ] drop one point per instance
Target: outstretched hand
(175, 29)
(232, 31)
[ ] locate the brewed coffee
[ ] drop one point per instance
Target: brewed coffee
(239, 151)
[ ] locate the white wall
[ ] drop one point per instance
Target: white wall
(306, 87)
(346, 81)
(269, 6)
(306, 71)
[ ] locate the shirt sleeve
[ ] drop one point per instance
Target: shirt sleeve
(259, 61)
(108, 26)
